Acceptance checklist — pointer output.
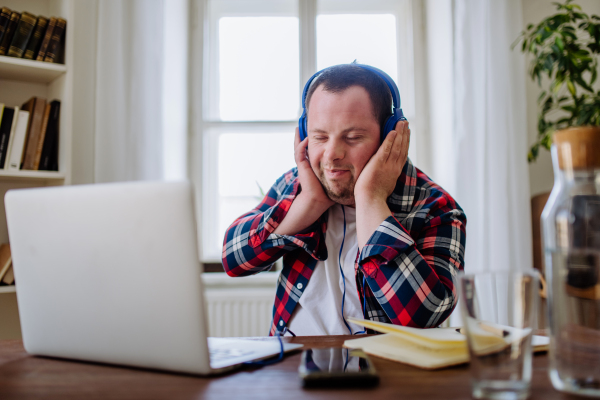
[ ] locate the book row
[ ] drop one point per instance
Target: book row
(7, 277)
(24, 35)
(29, 135)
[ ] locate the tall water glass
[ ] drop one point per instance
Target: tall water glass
(499, 315)
(571, 239)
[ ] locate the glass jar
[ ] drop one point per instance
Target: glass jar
(571, 240)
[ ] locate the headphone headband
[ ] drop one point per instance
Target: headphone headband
(386, 78)
(390, 122)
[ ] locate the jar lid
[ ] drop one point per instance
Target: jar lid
(578, 148)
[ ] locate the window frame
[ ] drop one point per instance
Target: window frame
(204, 49)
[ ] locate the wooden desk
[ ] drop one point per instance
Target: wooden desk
(24, 377)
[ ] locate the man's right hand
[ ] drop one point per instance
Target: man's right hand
(312, 201)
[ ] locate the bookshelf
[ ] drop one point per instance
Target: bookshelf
(18, 69)
(31, 175)
(21, 79)
(8, 289)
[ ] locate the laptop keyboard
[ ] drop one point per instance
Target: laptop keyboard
(227, 353)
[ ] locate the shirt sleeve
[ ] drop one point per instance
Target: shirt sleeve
(414, 278)
(250, 246)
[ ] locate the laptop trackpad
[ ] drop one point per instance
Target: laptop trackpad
(225, 352)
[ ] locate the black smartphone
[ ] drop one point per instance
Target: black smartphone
(337, 367)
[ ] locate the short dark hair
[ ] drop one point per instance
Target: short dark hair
(338, 78)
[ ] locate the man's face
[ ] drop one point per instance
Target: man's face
(343, 134)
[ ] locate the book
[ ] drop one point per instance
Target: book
(35, 126)
(433, 348)
(53, 158)
(40, 144)
(28, 106)
(36, 38)
(57, 35)
(22, 35)
(49, 158)
(9, 32)
(46, 41)
(5, 13)
(15, 154)
(4, 162)
(5, 127)
(9, 277)
(5, 259)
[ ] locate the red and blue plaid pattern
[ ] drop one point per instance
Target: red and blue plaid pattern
(410, 263)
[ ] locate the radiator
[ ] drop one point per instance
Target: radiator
(239, 307)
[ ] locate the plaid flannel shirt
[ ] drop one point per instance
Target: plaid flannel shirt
(409, 264)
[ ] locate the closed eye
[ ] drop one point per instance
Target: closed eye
(355, 138)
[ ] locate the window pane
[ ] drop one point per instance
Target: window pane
(248, 164)
(258, 68)
(367, 38)
(231, 208)
(248, 161)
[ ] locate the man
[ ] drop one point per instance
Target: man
(362, 232)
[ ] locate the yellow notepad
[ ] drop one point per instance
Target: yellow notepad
(426, 348)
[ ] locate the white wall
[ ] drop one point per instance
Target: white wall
(84, 91)
(541, 177)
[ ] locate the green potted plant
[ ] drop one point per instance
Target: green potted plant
(564, 49)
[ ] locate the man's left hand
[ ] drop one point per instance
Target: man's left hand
(378, 179)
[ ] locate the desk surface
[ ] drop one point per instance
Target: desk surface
(24, 376)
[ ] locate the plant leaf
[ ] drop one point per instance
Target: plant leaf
(583, 84)
(571, 87)
(542, 95)
(559, 43)
(546, 141)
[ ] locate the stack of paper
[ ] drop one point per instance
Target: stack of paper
(428, 348)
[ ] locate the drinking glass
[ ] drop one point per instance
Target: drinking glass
(499, 314)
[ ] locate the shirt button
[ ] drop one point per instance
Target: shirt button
(299, 286)
(281, 323)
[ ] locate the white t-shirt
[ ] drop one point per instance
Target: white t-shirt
(319, 311)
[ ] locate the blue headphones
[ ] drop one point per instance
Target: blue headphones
(390, 122)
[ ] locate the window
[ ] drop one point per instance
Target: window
(257, 57)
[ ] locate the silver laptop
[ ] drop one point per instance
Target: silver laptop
(110, 273)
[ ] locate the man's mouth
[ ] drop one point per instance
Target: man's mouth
(336, 173)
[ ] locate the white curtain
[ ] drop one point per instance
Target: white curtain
(477, 133)
(492, 181)
(141, 100)
(477, 125)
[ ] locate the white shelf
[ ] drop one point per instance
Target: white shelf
(8, 289)
(30, 175)
(18, 69)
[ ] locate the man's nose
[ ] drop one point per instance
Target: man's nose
(334, 151)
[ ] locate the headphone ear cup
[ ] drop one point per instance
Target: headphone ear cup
(390, 123)
(302, 126)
